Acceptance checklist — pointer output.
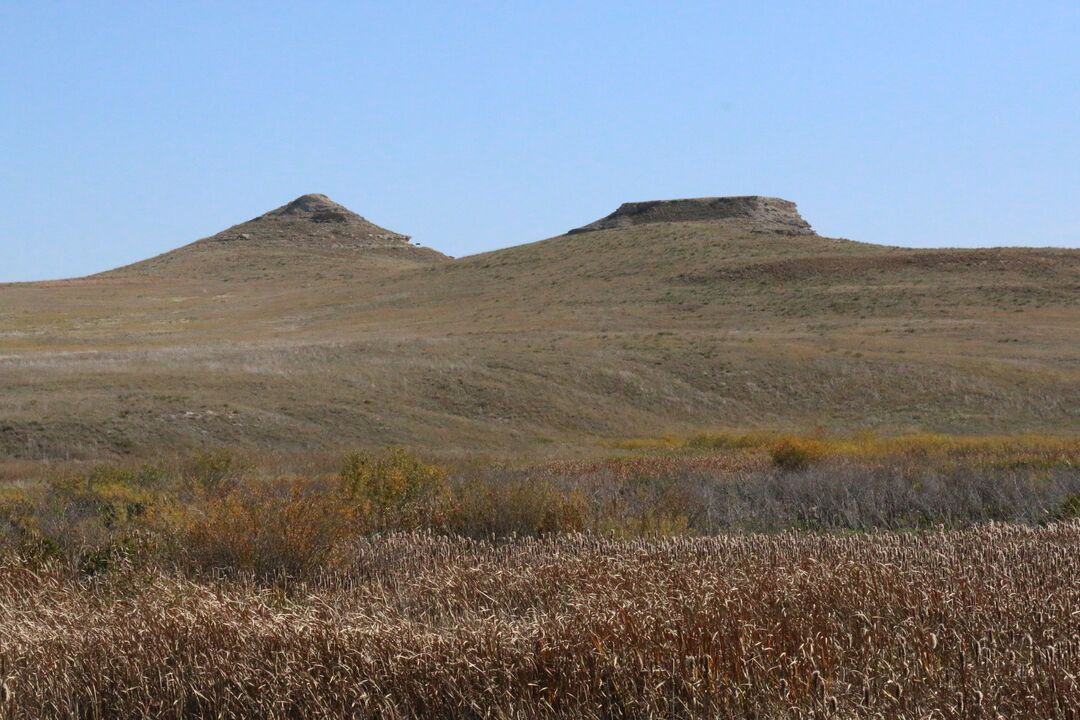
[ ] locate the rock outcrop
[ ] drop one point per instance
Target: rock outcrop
(313, 220)
(762, 214)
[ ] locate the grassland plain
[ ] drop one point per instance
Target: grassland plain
(194, 522)
(294, 334)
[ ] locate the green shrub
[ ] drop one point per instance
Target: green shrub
(1070, 509)
(731, 441)
(792, 453)
(93, 519)
(214, 471)
(19, 531)
(143, 476)
(118, 498)
(396, 490)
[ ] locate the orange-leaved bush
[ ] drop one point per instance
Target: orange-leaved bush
(275, 527)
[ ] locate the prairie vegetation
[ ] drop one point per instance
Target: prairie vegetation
(553, 344)
(720, 575)
(977, 623)
(294, 517)
(716, 575)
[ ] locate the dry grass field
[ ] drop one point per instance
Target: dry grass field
(668, 465)
(297, 339)
(712, 576)
(715, 575)
(964, 624)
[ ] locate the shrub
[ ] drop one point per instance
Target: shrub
(792, 453)
(19, 530)
(1070, 509)
(395, 490)
(118, 498)
(214, 471)
(92, 519)
(729, 441)
(281, 527)
(145, 476)
(495, 505)
(209, 512)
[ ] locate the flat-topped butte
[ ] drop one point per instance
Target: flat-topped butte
(764, 214)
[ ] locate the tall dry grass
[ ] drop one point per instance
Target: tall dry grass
(980, 623)
(634, 586)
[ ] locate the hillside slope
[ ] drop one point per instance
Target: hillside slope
(311, 332)
(310, 233)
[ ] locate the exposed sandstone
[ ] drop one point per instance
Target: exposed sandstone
(763, 214)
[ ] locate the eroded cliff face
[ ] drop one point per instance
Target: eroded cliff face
(313, 220)
(763, 214)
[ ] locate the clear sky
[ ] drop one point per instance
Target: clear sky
(127, 129)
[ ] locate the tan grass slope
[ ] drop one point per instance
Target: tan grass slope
(311, 327)
(313, 223)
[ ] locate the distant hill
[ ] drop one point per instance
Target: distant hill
(763, 214)
(310, 327)
(311, 231)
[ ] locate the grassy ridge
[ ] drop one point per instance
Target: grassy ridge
(556, 344)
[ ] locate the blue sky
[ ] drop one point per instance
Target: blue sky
(127, 129)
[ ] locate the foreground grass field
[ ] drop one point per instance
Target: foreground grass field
(717, 575)
(961, 624)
